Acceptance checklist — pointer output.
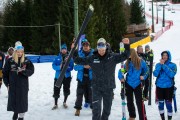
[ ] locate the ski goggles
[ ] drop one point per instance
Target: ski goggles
(101, 45)
(85, 44)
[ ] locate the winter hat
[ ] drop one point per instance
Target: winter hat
(18, 46)
(63, 46)
(101, 43)
(18, 43)
(85, 42)
(147, 46)
(10, 48)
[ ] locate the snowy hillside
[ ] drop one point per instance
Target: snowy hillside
(41, 85)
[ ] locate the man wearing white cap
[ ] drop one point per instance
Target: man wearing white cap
(103, 65)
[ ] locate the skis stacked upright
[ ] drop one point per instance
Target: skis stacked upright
(123, 85)
(143, 106)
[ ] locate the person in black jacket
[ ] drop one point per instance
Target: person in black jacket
(15, 76)
(103, 66)
(142, 55)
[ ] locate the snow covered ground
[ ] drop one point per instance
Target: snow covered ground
(41, 86)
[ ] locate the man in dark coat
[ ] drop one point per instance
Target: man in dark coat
(103, 66)
(142, 55)
(15, 76)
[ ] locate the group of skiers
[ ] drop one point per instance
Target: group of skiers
(95, 78)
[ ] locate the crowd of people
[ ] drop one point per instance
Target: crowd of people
(95, 78)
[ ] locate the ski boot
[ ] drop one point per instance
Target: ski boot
(86, 105)
(55, 107)
(131, 118)
(65, 105)
(77, 113)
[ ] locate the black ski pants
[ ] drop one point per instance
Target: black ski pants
(83, 88)
(146, 87)
(100, 95)
(130, 101)
(66, 87)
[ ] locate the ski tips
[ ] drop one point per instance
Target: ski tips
(91, 7)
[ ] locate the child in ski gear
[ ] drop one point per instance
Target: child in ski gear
(84, 77)
(149, 61)
(165, 71)
(103, 66)
(142, 55)
(9, 53)
(16, 72)
(57, 65)
(137, 71)
(2, 56)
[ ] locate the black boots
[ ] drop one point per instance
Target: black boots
(15, 116)
(162, 116)
(20, 118)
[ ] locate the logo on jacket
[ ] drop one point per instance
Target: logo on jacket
(96, 61)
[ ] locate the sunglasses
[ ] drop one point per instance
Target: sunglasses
(101, 45)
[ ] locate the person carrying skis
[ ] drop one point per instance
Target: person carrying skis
(134, 67)
(103, 66)
(164, 72)
(16, 72)
(84, 77)
(57, 65)
(2, 57)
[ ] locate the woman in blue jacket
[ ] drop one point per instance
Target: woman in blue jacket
(165, 71)
(84, 78)
(137, 71)
(57, 65)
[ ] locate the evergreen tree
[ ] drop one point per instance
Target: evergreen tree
(66, 19)
(137, 14)
(45, 12)
(13, 17)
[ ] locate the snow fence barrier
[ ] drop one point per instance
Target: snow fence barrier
(41, 58)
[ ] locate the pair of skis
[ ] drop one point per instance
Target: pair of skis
(123, 85)
(85, 22)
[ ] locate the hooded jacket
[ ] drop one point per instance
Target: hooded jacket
(165, 73)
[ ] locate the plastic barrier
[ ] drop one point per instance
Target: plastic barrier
(160, 32)
(46, 58)
(42, 59)
(141, 42)
(33, 59)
